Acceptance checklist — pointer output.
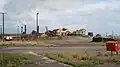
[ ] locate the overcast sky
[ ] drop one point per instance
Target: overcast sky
(99, 16)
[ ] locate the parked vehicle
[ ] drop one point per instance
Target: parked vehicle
(8, 38)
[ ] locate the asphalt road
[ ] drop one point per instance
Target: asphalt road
(50, 49)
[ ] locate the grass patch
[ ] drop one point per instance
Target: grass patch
(45, 44)
(13, 60)
(82, 60)
(75, 59)
(23, 44)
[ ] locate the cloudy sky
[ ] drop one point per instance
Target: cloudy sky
(99, 16)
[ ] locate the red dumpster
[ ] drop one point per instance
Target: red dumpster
(112, 46)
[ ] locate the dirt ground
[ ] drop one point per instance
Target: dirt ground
(72, 43)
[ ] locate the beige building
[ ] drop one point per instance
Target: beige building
(80, 32)
(62, 32)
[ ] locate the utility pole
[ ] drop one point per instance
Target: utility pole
(3, 19)
(1, 31)
(18, 33)
(3, 14)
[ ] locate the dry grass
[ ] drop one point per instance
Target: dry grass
(114, 59)
(75, 59)
(24, 43)
(82, 60)
(45, 44)
(14, 60)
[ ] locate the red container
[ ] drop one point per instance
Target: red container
(112, 46)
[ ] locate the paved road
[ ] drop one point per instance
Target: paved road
(40, 61)
(50, 49)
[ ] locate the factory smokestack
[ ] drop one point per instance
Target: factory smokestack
(37, 25)
(46, 28)
(37, 29)
(25, 29)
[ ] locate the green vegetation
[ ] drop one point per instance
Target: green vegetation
(13, 60)
(82, 60)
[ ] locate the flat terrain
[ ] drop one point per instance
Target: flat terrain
(73, 41)
(74, 44)
(51, 49)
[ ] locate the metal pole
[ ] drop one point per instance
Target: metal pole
(18, 33)
(3, 36)
(112, 34)
(3, 26)
(1, 31)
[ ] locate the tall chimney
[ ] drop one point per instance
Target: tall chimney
(37, 29)
(46, 28)
(37, 22)
(25, 29)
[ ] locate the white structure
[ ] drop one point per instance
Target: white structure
(61, 32)
(80, 32)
